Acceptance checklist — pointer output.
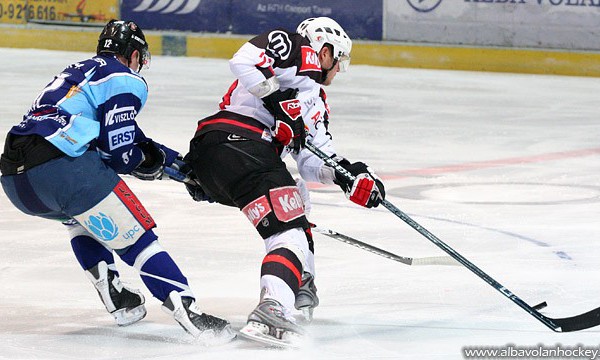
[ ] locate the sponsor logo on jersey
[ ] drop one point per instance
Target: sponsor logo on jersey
(280, 44)
(287, 203)
(317, 119)
(292, 108)
(177, 7)
(102, 226)
(119, 114)
(63, 135)
(310, 60)
(256, 210)
(121, 137)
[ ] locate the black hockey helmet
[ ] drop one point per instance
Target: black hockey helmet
(123, 37)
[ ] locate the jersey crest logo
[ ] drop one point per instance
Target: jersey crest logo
(280, 44)
(310, 60)
(178, 7)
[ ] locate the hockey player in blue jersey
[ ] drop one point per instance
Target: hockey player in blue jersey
(62, 163)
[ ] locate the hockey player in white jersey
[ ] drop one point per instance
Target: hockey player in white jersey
(274, 105)
(62, 163)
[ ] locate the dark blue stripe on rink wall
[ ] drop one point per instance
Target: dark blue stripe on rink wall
(360, 19)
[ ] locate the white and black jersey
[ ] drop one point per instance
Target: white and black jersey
(289, 57)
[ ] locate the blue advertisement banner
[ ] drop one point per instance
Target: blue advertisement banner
(182, 15)
(360, 19)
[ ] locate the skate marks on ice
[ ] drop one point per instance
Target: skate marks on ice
(503, 194)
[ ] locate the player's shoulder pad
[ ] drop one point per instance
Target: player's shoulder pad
(280, 44)
(115, 78)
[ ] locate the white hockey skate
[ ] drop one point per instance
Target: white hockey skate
(307, 299)
(267, 324)
(124, 304)
(206, 328)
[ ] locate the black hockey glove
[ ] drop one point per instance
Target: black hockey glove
(366, 190)
(196, 191)
(191, 183)
(289, 125)
(153, 165)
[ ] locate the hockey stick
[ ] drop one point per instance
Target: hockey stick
(573, 323)
(431, 260)
(177, 175)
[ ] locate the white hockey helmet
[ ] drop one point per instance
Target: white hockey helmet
(323, 30)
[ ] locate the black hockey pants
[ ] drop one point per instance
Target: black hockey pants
(235, 171)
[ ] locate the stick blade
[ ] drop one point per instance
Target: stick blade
(578, 322)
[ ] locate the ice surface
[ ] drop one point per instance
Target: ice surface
(504, 168)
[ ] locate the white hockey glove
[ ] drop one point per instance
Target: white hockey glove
(366, 190)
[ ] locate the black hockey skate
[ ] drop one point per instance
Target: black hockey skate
(203, 327)
(307, 299)
(267, 324)
(124, 304)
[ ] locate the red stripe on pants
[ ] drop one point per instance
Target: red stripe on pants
(134, 205)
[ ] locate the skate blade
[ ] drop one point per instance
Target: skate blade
(307, 312)
(126, 317)
(254, 333)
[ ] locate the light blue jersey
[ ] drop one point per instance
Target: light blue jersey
(91, 103)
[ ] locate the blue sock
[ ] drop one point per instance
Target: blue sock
(161, 276)
(90, 252)
(159, 272)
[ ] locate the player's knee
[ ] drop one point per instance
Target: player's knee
(280, 210)
(143, 249)
(294, 241)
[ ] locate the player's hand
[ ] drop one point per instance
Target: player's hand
(192, 185)
(367, 188)
(152, 167)
(289, 125)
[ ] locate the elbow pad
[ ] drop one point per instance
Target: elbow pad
(265, 88)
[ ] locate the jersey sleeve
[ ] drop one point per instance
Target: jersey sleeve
(287, 56)
(310, 166)
(252, 63)
(119, 131)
